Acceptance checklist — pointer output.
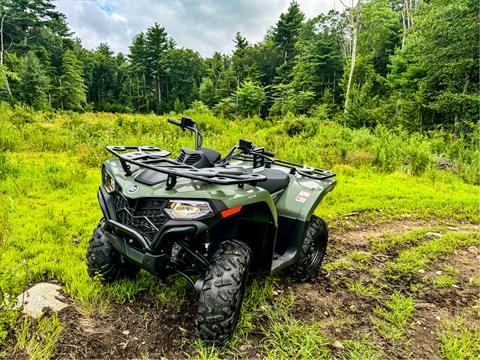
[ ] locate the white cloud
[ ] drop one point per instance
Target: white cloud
(118, 18)
(205, 26)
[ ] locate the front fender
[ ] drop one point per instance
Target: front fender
(302, 197)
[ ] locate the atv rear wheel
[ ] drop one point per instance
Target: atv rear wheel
(222, 293)
(313, 250)
(104, 261)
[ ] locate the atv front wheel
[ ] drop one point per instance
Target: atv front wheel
(222, 293)
(312, 252)
(104, 261)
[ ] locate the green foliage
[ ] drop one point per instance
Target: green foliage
(248, 99)
(416, 66)
(71, 87)
(34, 83)
(435, 75)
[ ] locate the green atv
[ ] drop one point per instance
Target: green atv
(215, 221)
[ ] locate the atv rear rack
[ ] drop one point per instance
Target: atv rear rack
(153, 158)
(260, 159)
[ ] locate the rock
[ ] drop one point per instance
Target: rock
(473, 250)
(243, 348)
(433, 235)
(354, 213)
(338, 345)
(425, 306)
(39, 297)
(444, 163)
(421, 271)
(74, 240)
(275, 293)
(451, 228)
(126, 332)
(438, 272)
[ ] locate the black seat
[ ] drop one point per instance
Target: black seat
(276, 180)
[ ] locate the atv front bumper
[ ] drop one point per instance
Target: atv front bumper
(145, 251)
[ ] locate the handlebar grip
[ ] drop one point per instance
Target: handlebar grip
(174, 122)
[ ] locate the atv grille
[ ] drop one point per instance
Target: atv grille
(143, 215)
(188, 159)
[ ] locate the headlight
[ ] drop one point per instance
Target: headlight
(187, 209)
(108, 181)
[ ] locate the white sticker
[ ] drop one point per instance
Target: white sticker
(302, 196)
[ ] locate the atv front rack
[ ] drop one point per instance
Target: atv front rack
(153, 158)
(260, 159)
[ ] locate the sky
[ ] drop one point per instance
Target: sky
(204, 26)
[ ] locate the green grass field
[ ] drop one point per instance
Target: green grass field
(389, 287)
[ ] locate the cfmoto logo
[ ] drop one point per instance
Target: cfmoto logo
(133, 189)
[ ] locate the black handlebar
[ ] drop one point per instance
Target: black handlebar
(189, 124)
(174, 122)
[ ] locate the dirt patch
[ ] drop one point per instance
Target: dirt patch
(127, 331)
(345, 314)
(362, 234)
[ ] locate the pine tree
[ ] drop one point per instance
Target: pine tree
(158, 43)
(34, 82)
(285, 36)
(139, 70)
(71, 89)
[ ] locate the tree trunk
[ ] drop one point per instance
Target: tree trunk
(145, 91)
(354, 25)
(61, 95)
(159, 94)
(7, 85)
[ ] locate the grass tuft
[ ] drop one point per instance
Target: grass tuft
(393, 316)
(460, 340)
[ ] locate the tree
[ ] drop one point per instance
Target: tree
(354, 25)
(207, 92)
(240, 41)
(157, 44)
(248, 99)
(139, 69)
(285, 36)
(184, 70)
(34, 83)
(319, 62)
(71, 87)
